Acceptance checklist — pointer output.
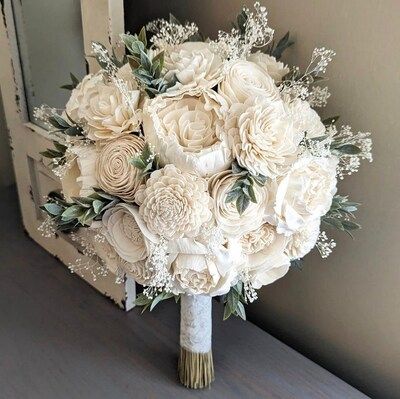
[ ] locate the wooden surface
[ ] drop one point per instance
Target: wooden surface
(60, 339)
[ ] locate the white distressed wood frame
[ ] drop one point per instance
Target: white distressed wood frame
(102, 21)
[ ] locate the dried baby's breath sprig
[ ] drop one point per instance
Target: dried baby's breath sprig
(252, 31)
(318, 97)
(297, 84)
(48, 228)
(325, 245)
(92, 263)
(351, 148)
(161, 279)
(170, 33)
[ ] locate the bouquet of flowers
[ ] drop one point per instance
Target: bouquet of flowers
(200, 168)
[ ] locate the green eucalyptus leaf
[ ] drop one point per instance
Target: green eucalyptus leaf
(97, 206)
(331, 120)
(232, 196)
(142, 36)
(348, 149)
(240, 311)
(53, 208)
(72, 212)
(242, 203)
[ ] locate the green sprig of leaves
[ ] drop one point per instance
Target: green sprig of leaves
(56, 154)
(150, 303)
(147, 70)
(242, 192)
(74, 83)
(118, 63)
(70, 216)
(341, 215)
(146, 161)
(234, 302)
(67, 127)
(278, 49)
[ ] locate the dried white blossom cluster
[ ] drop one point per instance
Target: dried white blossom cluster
(201, 167)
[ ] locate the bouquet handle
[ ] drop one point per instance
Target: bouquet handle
(196, 368)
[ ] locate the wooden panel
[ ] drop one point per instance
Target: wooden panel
(34, 179)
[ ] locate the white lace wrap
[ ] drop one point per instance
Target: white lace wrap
(196, 323)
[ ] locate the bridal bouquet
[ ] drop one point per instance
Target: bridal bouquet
(200, 168)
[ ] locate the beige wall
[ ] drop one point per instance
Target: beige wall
(343, 312)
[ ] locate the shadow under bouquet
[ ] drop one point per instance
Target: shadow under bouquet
(200, 168)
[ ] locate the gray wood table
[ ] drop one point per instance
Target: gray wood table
(60, 339)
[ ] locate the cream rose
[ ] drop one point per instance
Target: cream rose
(126, 232)
(115, 174)
(140, 271)
(80, 177)
(303, 240)
(266, 258)
(174, 203)
(204, 265)
(187, 131)
(305, 193)
(276, 69)
(262, 137)
(245, 80)
(305, 119)
(198, 274)
(193, 64)
(226, 215)
(75, 105)
(106, 111)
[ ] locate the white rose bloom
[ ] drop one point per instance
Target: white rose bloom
(115, 174)
(75, 105)
(80, 178)
(305, 193)
(276, 69)
(266, 261)
(193, 64)
(125, 230)
(174, 203)
(106, 112)
(303, 240)
(198, 274)
(187, 131)
(262, 137)
(305, 119)
(245, 80)
(201, 268)
(139, 271)
(226, 215)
